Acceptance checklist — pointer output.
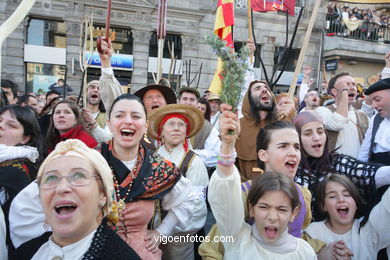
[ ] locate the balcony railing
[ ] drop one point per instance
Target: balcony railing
(358, 29)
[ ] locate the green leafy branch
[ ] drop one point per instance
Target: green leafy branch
(235, 66)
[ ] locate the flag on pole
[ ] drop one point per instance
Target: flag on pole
(224, 20)
(274, 5)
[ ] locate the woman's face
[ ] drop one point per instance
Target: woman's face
(272, 214)
(313, 139)
(63, 118)
(11, 130)
(174, 132)
(127, 123)
(283, 153)
(71, 211)
(202, 108)
(339, 204)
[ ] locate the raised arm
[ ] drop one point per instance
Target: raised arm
(225, 190)
(110, 88)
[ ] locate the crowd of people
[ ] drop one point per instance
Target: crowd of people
(285, 177)
(367, 24)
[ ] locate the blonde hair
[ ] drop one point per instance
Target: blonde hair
(74, 147)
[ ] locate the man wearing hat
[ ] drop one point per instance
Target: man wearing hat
(214, 102)
(376, 144)
(206, 142)
(94, 114)
(155, 96)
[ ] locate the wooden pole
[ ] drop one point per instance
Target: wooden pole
(161, 32)
(250, 31)
(302, 53)
(13, 21)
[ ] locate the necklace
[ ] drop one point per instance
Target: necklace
(121, 201)
(128, 181)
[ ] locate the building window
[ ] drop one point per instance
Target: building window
(46, 33)
(238, 46)
(280, 55)
(175, 38)
(40, 76)
(122, 40)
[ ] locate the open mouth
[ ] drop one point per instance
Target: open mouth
(290, 165)
(314, 100)
(127, 132)
(317, 147)
(271, 232)
(95, 96)
(343, 211)
(65, 209)
(264, 98)
(351, 95)
(155, 106)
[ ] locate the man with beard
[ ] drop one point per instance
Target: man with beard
(259, 108)
(94, 114)
(346, 125)
(312, 100)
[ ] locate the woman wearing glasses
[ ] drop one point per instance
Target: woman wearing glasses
(173, 125)
(76, 191)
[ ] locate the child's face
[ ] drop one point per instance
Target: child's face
(272, 214)
(283, 153)
(339, 204)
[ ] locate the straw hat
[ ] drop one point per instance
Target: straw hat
(193, 115)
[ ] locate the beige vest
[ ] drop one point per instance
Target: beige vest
(361, 124)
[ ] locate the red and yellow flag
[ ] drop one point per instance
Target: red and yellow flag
(274, 5)
(224, 20)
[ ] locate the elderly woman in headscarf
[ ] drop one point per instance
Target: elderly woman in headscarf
(173, 125)
(76, 193)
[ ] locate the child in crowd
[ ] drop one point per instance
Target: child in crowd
(273, 203)
(339, 199)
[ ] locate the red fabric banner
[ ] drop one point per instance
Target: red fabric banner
(274, 5)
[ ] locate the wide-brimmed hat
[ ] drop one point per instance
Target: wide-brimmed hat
(189, 89)
(192, 114)
(168, 93)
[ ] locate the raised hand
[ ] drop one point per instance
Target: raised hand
(107, 51)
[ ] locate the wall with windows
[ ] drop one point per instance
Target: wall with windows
(56, 24)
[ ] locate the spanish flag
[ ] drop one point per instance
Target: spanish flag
(224, 20)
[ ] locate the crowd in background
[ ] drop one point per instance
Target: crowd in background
(301, 177)
(368, 24)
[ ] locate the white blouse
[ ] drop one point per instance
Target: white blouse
(242, 242)
(197, 174)
(75, 251)
(366, 241)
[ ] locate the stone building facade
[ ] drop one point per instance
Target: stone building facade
(188, 20)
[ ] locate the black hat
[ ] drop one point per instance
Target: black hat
(168, 93)
(189, 89)
(377, 86)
